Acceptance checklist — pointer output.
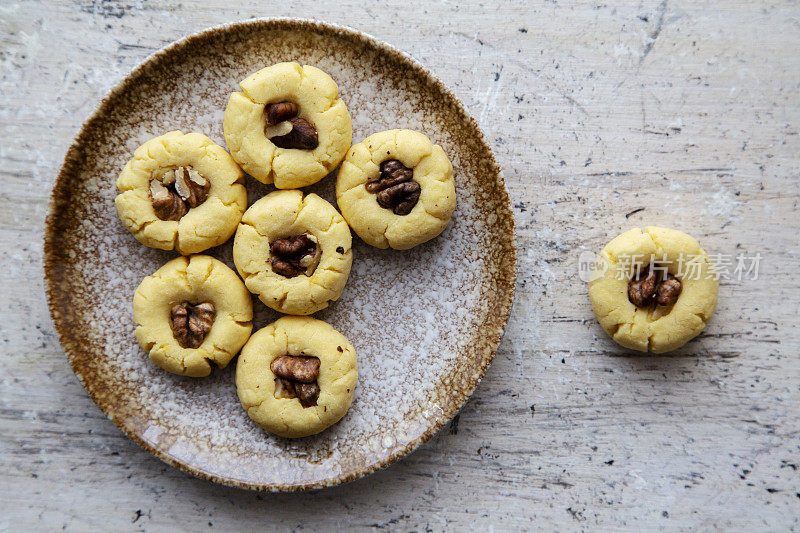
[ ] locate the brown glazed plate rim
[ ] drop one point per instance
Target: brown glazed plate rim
(56, 207)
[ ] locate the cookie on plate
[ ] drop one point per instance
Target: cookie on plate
(396, 189)
(653, 290)
(182, 192)
(288, 126)
(296, 376)
(293, 251)
(191, 313)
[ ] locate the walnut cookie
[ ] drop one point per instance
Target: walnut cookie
(190, 313)
(653, 290)
(182, 192)
(294, 252)
(296, 376)
(396, 189)
(288, 126)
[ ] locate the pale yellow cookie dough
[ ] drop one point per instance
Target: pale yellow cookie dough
(317, 95)
(296, 336)
(209, 224)
(285, 214)
(381, 227)
(654, 329)
(196, 279)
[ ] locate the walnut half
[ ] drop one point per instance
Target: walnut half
(176, 191)
(395, 188)
(297, 378)
(191, 323)
(646, 289)
(295, 255)
(286, 130)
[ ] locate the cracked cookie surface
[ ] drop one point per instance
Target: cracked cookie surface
(287, 215)
(196, 280)
(203, 226)
(380, 226)
(654, 328)
(317, 97)
(296, 336)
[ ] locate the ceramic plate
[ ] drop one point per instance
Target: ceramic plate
(425, 322)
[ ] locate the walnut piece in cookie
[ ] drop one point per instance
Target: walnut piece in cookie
(176, 191)
(191, 323)
(669, 290)
(642, 288)
(277, 113)
(394, 187)
(166, 203)
(286, 130)
(295, 255)
(297, 378)
(646, 289)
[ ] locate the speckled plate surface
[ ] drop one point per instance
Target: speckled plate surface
(425, 322)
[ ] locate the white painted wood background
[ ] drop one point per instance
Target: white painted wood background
(688, 110)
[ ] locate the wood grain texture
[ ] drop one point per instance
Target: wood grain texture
(685, 112)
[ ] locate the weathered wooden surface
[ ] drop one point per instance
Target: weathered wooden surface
(689, 110)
